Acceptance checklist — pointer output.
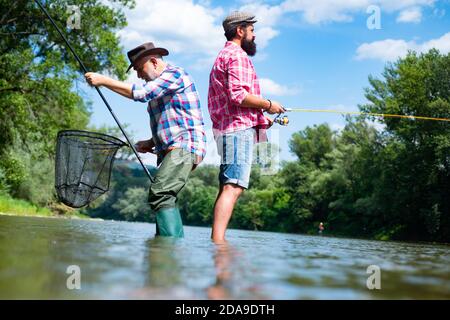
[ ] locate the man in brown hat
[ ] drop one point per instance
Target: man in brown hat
(236, 109)
(176, 122)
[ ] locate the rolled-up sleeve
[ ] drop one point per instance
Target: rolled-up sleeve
(239, 78)
(166, 84)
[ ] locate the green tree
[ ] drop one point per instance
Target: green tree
(39, 94)
(311, 144)
(197, 199)
(133, 206)
(417, 153)
(126, 175)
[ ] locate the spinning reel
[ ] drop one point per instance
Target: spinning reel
(282, 119)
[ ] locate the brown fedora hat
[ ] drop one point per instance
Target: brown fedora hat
(145, 49)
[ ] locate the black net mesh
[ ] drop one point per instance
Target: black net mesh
(83, 165)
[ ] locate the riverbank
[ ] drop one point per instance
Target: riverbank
(17, 207)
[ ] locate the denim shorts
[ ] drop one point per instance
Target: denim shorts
(236, 153)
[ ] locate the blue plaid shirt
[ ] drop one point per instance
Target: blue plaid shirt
(174, 107)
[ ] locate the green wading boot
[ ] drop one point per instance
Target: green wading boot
(168, 223)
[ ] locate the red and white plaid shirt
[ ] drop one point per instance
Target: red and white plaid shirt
(232, 78)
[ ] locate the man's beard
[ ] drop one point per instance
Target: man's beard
(249, 46)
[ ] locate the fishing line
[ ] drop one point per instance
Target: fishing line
(284, 120)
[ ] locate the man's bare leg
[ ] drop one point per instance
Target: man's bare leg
(223, 209)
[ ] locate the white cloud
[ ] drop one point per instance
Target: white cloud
(268, 17)
(132, 78)
(320, 11)
(377, 125)
(270, 87)
(190, 28)
(442, 44)
(389, 49)
(194, 28)
(260, 56)
(180, 25)
(386, 50)
(411, 15)
(337, 127)
(264, 35)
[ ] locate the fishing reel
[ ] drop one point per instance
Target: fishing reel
(281, 119)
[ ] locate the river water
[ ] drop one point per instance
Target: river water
(42, 258)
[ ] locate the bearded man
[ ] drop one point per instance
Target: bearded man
(236, 108)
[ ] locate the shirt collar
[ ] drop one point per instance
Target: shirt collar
(232, 43)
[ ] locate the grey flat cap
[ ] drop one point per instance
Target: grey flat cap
(235, 18)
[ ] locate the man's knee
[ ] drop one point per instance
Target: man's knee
(233, 189)
(158, 198)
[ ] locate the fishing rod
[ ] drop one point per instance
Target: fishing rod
(130, 144)
(284, 120)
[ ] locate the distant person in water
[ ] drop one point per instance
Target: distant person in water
(321, 228)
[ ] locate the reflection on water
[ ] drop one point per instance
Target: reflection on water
(124, 260)
(224, 258)
(233, 279)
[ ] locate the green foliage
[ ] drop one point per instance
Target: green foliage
(128, 192)
(9, 205)
(39, 80)
(38, 184)
(197, 198)
(12, 171)
(133, 205)
(392, 184)
(312, 144)
(416, 153)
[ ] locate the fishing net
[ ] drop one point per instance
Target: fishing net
(83, 165)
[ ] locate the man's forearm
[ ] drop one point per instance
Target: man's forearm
(125, 89)
(252, 101)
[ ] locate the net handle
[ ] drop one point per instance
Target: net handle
(147, 172)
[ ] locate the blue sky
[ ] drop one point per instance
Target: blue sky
(311, 54)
